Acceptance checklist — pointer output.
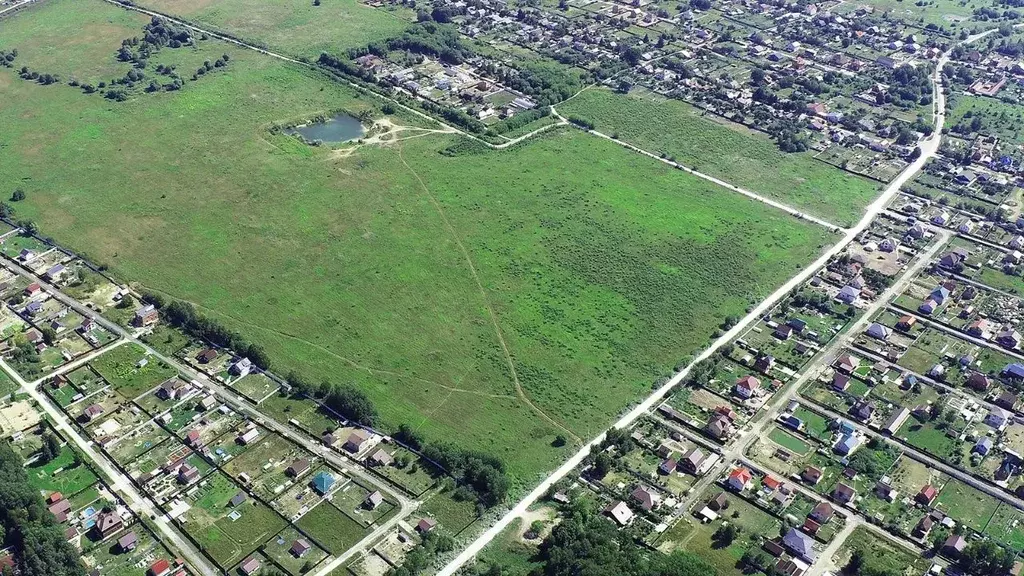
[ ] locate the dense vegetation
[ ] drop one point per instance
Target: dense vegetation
(586, 544)
(28, 527)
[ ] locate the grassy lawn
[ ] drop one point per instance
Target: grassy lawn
(330, 528)
(453, 515)
(690, 535)
(788, 441)
(966, 505)
(881, 554)
(734, 154)
(120, 368)
(69, 480)
(166, 340)
(296, 27)
(602, 268)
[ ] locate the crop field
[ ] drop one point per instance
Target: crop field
(120, 367)
(599, 269)
(735, 154)
(296, 27)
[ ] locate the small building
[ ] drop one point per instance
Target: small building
(379, 458)
(373, 500)
(187, 473)
(927, 495)
(297, 468)
(249, 436)
(799, 544)
(746, 386)
(108, 523)
(843, 493)
(128, 542)
(237, 499)
(878, 331)
(145, 316)
(250, 566)
(240, 367)
(953, 546)
(646, 498)
(895, 421)
(425, 525)
(692, 461)
(92, 412)
(323, 482)
(206, 355)
(300, 548)
(739, 479)
(997, 417)
(822, 513)
(811, 475)
(356, 440)
(983, 446)
(159, 568)
(619, 512)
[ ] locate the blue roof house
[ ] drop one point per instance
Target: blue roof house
(847, 444)
(983, 447)
(1014, 370)
(322, 483)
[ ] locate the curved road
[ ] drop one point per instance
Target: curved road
(929, 148)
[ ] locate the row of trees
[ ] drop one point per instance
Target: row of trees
(183, 315)
(28, 527)
(479, 476)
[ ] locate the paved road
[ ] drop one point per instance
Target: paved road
(120, 483)
(233, 399)
(15, 6)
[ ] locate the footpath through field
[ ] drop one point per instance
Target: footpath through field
(929, 148)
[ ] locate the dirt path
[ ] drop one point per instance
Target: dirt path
(487, 303)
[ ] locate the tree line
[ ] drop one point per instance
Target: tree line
(183, 315)
(26, 525)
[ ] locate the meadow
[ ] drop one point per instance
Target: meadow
(295, 27)
(423, 273)
(731, 152)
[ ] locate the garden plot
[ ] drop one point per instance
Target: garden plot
(89, 286)
(1007, 527)
(133, 443)
(130, 371)
(301, 497)
(95, 407)
(263, 467)
(408, 471)
(215, 424)
(968, 506)
(692, 536)
(227, 532)
(880, 554)
(18, 416)
(109, 560)
(352, 499)
(112, 425)
(182, 416)
(67, 474)
(167, 395)
(307, 413)
(152, 460)
(280, 550)
(168, 483)
(236, 441)
(255, 386)
(331, 528)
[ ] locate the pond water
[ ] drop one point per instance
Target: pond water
(340, 128)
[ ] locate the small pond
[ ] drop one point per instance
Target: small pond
(340, 128)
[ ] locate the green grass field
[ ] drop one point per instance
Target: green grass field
(330, 528)
(120, 368)
(599, 268)
(296, 27)
(733, 153)
(69, 480)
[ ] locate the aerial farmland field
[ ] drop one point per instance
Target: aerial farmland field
(734, 153)
(296, 27)
(421, 272)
